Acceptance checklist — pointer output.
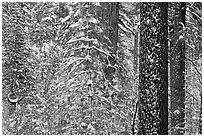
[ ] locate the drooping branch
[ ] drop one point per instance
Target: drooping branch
(194, 65)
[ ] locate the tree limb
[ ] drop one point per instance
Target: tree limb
(198, 72)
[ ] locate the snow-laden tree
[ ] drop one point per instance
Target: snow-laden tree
(193, 39)
(74, 69)
(18, 79)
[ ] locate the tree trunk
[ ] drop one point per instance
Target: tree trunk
(111, 20)
(110, 15)
(136, 65)
(177, 72)
(113, 23)
(200, 116)
(153, 78)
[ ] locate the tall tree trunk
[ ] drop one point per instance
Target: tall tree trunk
(110, 15)
(111, 20)
(153, 78)
(177, 71)
(136, 64)
(113, 23)
(200, 116)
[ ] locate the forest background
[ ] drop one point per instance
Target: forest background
(101, 68)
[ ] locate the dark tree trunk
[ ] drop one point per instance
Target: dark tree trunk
(177, 71)
(110, 17)
(153, 78)
(113, 23)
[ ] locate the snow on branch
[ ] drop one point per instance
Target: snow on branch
(73, 61)
(74, 68)
(125, 26)
(193, 96)
(81, 39)
(93, 20)
(198, 72)
(198, 14)
(115, 108)
(124, 16)
(122, 28)
(91, 47)
(66, 18)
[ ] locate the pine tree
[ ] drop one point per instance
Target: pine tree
(153, 78)
(16, 69)
(18, 80)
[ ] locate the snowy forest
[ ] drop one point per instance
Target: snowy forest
(101, 68)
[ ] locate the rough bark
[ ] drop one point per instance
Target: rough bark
(177, 72)
(153, 78)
